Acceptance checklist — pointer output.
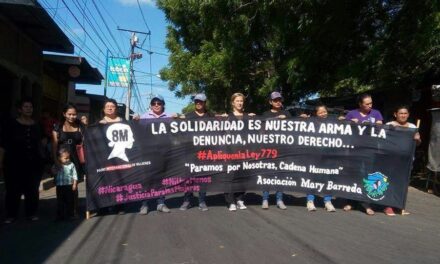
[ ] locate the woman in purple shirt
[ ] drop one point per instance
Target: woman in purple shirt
(364, 114)
(157, 106)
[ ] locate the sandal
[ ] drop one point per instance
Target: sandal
(389, 211)
(348, 207)
(369, 211)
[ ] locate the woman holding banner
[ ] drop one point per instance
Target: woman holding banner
(110, 111)
(157, 106)
(320, 112)
(364, 114)
(200, 111)
(401, 115)
(276, 111)
(235, 200)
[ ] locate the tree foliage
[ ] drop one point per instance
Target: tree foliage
(300, 47)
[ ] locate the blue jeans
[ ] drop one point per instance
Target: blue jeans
(311, 197)
(161, 200)
(188, 196)
(278, 194)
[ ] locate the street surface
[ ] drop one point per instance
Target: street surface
(220, 236)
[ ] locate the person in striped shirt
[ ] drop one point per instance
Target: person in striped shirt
(66, 181)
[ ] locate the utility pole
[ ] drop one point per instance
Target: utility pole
(133, 44)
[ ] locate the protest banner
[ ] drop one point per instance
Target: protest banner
(141, 160)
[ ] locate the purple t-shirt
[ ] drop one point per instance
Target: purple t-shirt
(151, 115)
(372, 117)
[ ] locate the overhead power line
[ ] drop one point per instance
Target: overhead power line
(108, 29)
(143, 17)
(85, 31)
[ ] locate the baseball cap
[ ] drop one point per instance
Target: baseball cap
(275, 95)
(158, 97)
(200, 97)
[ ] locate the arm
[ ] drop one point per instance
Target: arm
(55, 147)
(417, 138)
(75, 178)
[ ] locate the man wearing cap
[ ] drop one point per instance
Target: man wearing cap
(276, 111)
(199, 112)
(157, 110)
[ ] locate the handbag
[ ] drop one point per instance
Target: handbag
(80, 153)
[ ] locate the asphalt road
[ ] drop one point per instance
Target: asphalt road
(220, 236)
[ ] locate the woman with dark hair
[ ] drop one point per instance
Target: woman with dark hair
(68, 135)
(364, 114)
(320, 112)
(157, 110)
(401, 115)
(22, 140)
(110, 110)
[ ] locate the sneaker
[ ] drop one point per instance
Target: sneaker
(389, 211)
(163, 208)
(241, 206)
(9, 220)
(232, 208)
(329, 207)
(311, 206)
(33, 218)
(185, 206)
(281, 205)
(203, 207)
(144, 209)
(265, 204)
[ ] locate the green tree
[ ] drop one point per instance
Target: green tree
(300, 47)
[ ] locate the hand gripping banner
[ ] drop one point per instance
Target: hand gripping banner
(146, 159)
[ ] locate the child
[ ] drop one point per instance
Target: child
(66, 181)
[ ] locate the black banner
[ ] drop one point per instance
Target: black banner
(136, 161)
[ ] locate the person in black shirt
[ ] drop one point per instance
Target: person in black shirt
(276, 111)
(23, 140)
(199, 112)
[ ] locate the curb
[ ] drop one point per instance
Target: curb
(46, 184)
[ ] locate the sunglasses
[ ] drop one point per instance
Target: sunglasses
(156, 103)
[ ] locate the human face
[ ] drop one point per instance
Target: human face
(64, 158)
(109, 109)
(276, 103)
(321, 112)
(366, 105)
(237, 104)
(26, 109)
(402, 116)
(157, 107)
(70, 115)
(84, 120)
(199, 105)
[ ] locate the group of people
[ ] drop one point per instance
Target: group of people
(364, 114)
(24, 139)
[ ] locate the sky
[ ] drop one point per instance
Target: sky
(81, 22)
